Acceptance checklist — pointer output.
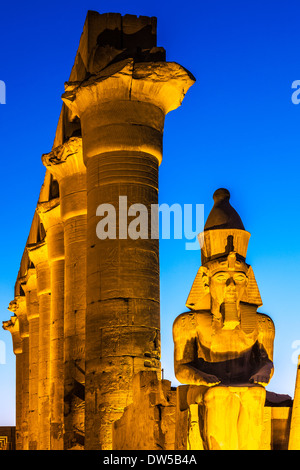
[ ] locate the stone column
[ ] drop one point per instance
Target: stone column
(294, 439)
(38, 254)
(122, 111)
(18, 306)
(51, 218)
(66, 164)
(13, 326)
(32, 307)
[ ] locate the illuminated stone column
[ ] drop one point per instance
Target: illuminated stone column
(13, 326)
(18, 306)
(122, 111)
(32, 307)
(294, 440)
(66, 164)
(51, 218)
(38, 254)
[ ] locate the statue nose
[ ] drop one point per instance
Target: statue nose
(230, 282)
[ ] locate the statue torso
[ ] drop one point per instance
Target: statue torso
(231, 355)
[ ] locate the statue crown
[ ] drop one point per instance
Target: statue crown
(224, 240)
(224, 231)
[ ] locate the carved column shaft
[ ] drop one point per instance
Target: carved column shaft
(18, 306)
(51, 218)
(122, 114)
(32, 307)
(24, 333)
(13, 327)
(39, 256)
(19, 404)
(66, 164)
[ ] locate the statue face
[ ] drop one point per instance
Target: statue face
(228, 286)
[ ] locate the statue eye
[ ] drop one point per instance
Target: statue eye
(240, 278)
(221, 278)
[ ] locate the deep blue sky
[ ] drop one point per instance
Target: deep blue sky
(237, 128)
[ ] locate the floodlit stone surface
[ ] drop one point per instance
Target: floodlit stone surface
(85, 321)
(224, 347)
(50, 216)
(103, 311)
(121, 109)
(149, 422)
(294, 439)
(18, 327)
(39, 257)
(65, 162)
(32, 308)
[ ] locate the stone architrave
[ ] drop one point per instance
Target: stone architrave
(223, 346)
(122, 110)
(50, 216)
(32, 308)
(65, 162)
(38, 254)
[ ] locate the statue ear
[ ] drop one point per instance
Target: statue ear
(199, 296)
(252, 294)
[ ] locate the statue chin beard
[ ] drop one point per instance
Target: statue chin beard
(229, 314)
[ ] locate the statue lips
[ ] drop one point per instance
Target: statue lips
(231, 297)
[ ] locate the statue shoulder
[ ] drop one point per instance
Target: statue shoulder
(265, 322)
(188, 322)
(183, 320)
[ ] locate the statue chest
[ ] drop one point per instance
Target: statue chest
(218, 344)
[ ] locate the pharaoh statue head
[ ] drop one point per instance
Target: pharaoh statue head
(225, 283)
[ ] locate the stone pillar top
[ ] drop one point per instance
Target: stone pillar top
(51, 217)
(12, 326)
(18, 307)
(66, 159)
(163, 84)
(29, 286)
(39, 255)
(28, 282)
(38, 252)
(123, 107)
(49, 213)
